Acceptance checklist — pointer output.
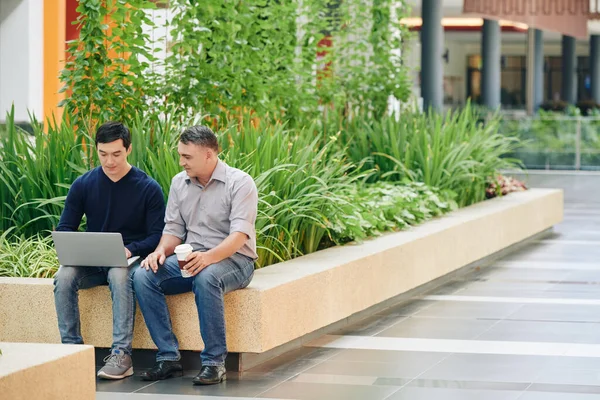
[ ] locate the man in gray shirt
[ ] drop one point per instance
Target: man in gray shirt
(211, 207)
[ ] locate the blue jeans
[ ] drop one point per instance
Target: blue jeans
(67, 283)
(208, 286)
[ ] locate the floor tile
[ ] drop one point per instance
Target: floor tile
(388, 356)
(336, 379)
(320, 391)
(371, 325)
(423, 327)
(492, 347)
(466, 385)
(145, 396)
(406, 308)
(548, 265)
(127, 385)
(559, 312)
(415, 393)
(543, 331)
(564, 304)
(372, 369)
(570, 376)
(248, 385)
(558, 396)
(495, 273)
(487, 368)
(451, 309)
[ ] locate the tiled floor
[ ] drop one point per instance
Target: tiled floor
(526, 327)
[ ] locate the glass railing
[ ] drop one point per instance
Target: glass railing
(556, 142)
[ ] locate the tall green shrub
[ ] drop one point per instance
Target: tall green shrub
(454, 151)
(288, 59)
(106, 75)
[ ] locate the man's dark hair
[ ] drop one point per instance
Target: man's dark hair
(200, 135)
(111, 131)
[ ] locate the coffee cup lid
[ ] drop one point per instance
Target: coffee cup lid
(183, 247)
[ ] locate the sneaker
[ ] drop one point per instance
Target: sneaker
(117, 366)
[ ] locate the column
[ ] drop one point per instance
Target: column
(595, 67)
(432, 39)
(490, 54)
(569, 65)
(535, 69)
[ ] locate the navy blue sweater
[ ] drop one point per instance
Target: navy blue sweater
(134, 206)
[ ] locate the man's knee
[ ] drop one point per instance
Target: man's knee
(207, 279)
(142, 279)
(66, 278)
(119, 278)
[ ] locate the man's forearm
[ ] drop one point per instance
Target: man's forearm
(168, 243)
(228, 247)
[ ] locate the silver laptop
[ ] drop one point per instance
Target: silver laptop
(91, 249)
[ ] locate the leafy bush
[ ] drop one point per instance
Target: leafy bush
(386, 206)
(107, 71)
(287, 59)
(311, 184)
(364, 211)
(451, 152)
(32, 257)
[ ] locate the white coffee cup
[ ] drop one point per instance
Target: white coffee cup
(182, 251)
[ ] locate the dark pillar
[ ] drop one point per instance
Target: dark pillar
(595, 67)
(539, 69)
(569, 65)
(432, 40)
(535, 69)
(490, 54)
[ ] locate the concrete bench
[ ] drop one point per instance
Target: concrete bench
(286, 301)
(47, 371)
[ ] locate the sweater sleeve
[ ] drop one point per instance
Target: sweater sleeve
(155, 214)
(70, 218)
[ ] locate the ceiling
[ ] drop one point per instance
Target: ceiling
(453, 8)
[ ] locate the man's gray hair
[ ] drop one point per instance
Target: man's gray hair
(200, 135)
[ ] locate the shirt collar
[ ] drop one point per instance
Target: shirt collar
(218, 174)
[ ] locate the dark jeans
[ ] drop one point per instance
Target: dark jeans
(208, 286)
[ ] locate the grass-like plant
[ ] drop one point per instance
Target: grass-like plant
(27, 257)
(312, 180)
(451, 152)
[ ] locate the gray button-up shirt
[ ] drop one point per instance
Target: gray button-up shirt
(206, 215)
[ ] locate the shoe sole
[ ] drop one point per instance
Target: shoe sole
(104, 375)
(200, 383)
(176, 374)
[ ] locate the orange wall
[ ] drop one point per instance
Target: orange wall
(54, 55)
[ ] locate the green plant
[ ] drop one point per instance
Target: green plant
(301, 172)
(32, 257)
(301, 181)
(290, 60)
(451, 152)
(36, 172)
(386, 206)
(288, 227)
(106, 74)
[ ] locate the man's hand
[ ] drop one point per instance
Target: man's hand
(197, 261)
(127, 253)
(154, 260)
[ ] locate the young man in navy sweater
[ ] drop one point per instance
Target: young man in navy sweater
(115, 197)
